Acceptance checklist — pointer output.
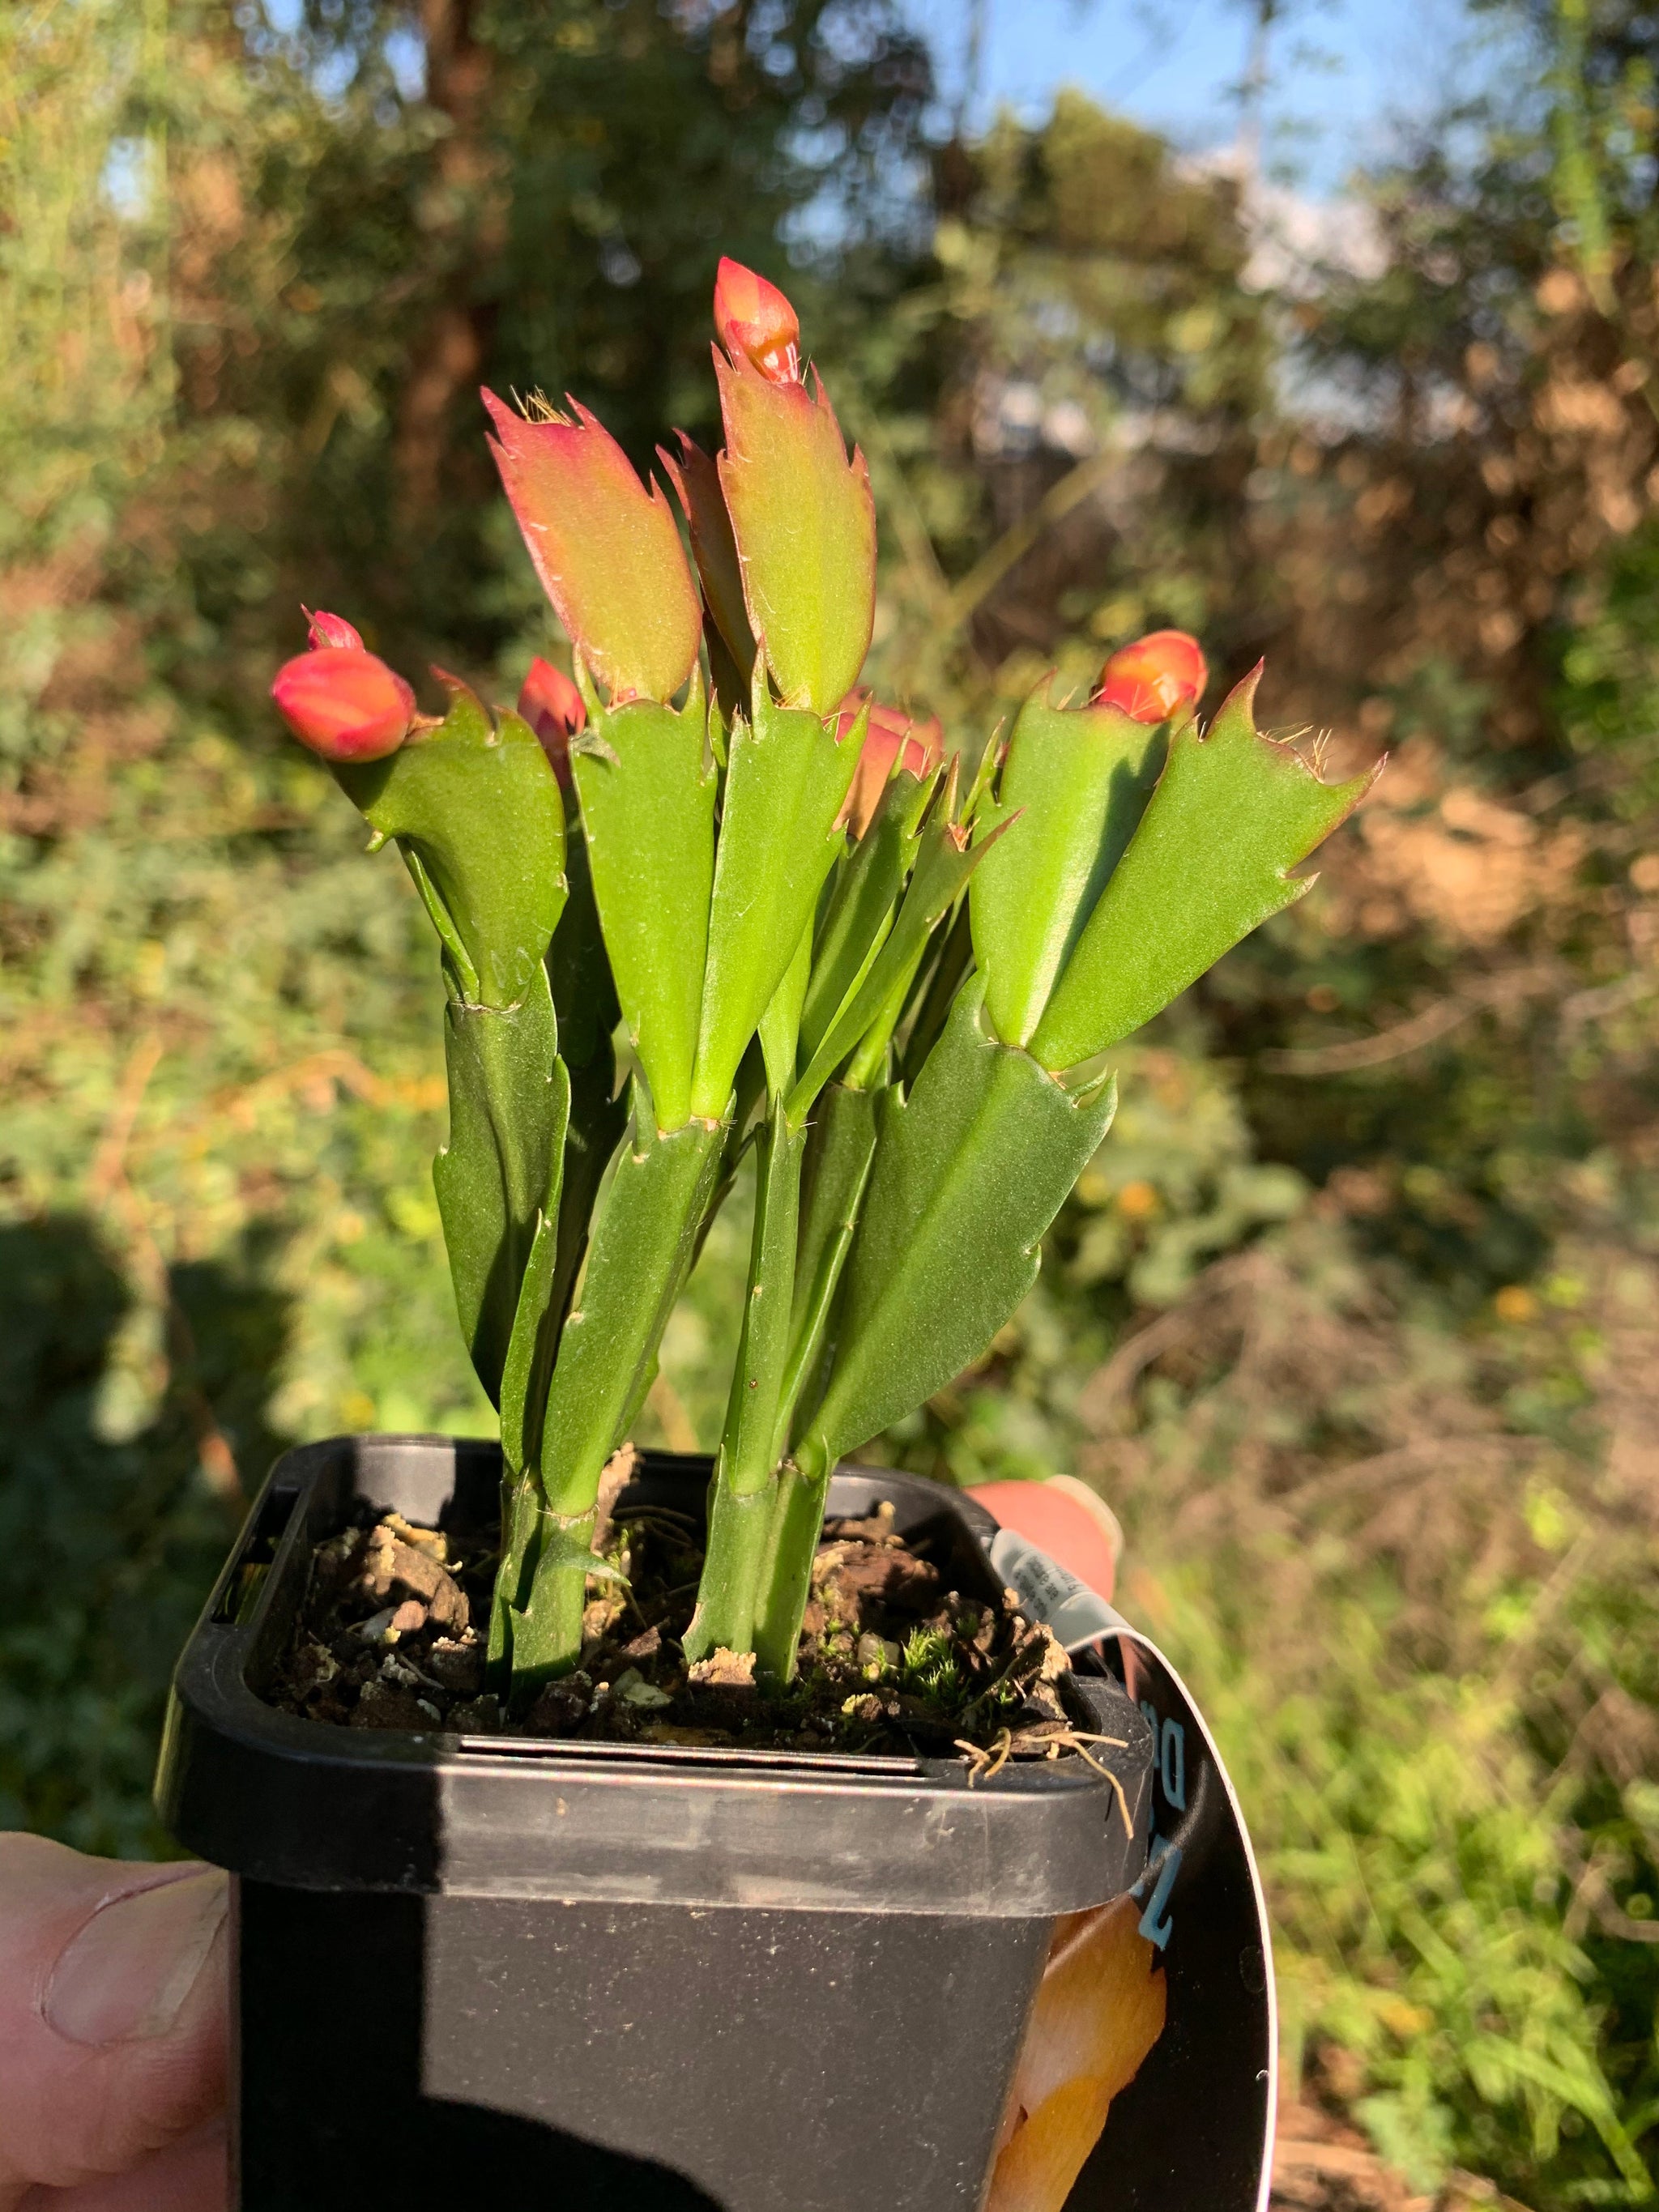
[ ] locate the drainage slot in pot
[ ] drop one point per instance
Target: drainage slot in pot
(242, 1584)
(668, 1754)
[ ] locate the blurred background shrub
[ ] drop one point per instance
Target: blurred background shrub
(1355, 1319)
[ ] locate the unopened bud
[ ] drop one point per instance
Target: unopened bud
(344, 704)
(553, 706)
(893, 736)
(331, 632)
(1149, 679)
(755, 320)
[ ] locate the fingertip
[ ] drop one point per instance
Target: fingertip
(129, 1973)
(113, 2013)
(190, 2176)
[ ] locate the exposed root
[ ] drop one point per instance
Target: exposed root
(982, 1763)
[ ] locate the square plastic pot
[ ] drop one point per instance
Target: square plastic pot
(617, 1975)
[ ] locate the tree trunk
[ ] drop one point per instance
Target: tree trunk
(448, 353)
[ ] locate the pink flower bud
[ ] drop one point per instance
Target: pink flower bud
(343, 703)
(331, 632)
(893, 735)
(553, 706)
(1152, 677)
(755, 320)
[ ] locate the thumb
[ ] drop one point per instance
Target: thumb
(113, 2015)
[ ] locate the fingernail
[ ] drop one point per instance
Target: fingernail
(127, 1973)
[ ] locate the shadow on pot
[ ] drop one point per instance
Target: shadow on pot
(358, 1972)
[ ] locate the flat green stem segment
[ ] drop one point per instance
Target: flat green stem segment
(1232, 813)
(529, 1366)
(866, 897)
(968, 1175)
(584, 996)
(786, 778)
(945, 862)
(739, 1531)
(544, 1637)
(499, 1174)
(476, 810)
(841, 1146)
(640, 1249)
(585, 1002)
(591, 1136)
(806, 529)
(787, 1569)
(521, 1507)
(647, 783)
(866, 1068)
(744, 1472)
(524, 1396)
(955, 956)
(1078, 780)
(780, 1025)
(638, 1252)
(696, 478)
(478, 816)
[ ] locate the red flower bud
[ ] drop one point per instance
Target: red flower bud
(755, 320)
(553, 706)
(1152, 677)
(331, 632)
(344, 704)
(893, 735)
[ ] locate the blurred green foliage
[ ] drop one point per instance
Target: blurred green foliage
(1355, 1317)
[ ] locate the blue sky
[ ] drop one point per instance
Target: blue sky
(1342, 71)
(1343, 74)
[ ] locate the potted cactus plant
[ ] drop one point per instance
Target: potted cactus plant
(679, 1848)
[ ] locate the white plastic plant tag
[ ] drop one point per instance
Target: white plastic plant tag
(1192, 2130)
(1073, 1613)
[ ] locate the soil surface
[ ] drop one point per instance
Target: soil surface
(392, 1635)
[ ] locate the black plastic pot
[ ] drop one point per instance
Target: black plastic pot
(617, 1975)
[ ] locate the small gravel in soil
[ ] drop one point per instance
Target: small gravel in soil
(392, 1635)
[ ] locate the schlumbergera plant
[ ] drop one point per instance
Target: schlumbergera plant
(708, 897)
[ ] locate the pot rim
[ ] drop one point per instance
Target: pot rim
(314, 1805)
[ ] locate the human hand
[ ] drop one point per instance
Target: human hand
(113, 1999)
(113, 2008)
